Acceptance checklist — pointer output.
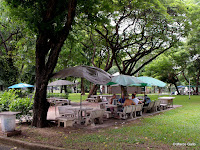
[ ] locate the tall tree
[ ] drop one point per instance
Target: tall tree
(164, 68)
(143, 28)
(52, 21)
(16, 49)
(9, 35)
(193, 44)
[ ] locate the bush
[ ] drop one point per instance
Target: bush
(6, 98)
(10, 101)
(22, 105)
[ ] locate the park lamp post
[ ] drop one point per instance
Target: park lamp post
(189, 89)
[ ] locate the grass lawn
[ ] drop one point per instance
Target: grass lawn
(179, 126)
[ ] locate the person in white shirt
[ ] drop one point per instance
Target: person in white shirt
(134, 99)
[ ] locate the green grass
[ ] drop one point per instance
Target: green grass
(75, 97)
(180, 125)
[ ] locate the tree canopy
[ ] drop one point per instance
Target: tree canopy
(64, 33)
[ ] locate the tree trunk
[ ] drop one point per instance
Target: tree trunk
(40, 107)
(65, 88)
(124, 90)
(48, 47)
(93, 90)
(177, 89)
(52, 89)
(61, 88)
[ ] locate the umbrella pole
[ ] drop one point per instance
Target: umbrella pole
(80, 117)
(55, 106)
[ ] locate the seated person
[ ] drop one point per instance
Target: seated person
(113, 97)
(135, 100)
(147, 100)
(129, 102)
(135, 93)
(112, 102)
(99, 99)
(122, 99)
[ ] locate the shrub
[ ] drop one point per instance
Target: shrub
(10, 101)
(23, 105)
(6, 98)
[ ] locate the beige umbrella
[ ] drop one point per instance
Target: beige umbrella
(61, 82)
(92, 74)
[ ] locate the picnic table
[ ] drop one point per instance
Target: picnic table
(115, 109)
(166, 100)
(56, 101)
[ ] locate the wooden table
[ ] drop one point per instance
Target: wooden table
(167, 100)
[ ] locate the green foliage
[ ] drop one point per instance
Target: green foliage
(23, 105)
(10, 101)
(160, 68)
(16, 48)
(6, 98)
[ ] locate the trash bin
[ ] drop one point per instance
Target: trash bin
(8, 121)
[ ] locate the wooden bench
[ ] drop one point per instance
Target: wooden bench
(138, 108)
(127, 111)
(94, 114)
(149, 107)
(108, 114)
(68, 122)
(156, 106)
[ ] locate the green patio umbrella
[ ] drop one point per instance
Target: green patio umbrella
(124, 80)
(152, 81)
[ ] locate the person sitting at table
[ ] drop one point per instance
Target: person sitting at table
(113, 97)
(128, 102)
(135, 100)
(147, 100)
(135, 93)
(111, 102)
(99, 99)
(122, 99)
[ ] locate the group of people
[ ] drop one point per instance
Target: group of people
(133, 101)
